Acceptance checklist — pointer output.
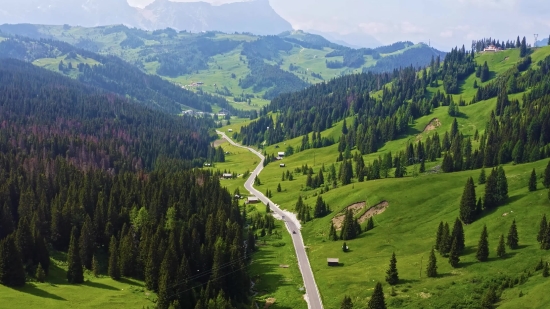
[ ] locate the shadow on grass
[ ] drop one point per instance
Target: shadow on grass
(131, 282)
(514, 198)
(31, 289)
(445, 275)
(98, 285)
(408, 281)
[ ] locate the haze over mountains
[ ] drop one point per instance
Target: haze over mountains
(255, 16)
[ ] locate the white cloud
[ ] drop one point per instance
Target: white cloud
(375, 28)
(446, 34)
(409, 28)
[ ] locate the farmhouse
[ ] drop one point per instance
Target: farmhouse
(227, 175)
(282, 165)
(281, 154)
(252, 200)
(492, 48)
(229, 130)
(333, 262)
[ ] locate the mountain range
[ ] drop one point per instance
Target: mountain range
(253, 16)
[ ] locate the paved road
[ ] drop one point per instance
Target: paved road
(314, 298)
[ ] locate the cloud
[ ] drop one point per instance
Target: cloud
(446, 34)
(409, 28)
(374, 28)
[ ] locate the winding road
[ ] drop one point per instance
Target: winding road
(312, 292)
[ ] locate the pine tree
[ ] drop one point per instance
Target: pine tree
(489, 298)
(502, 186)
(431, 269)
(40, 274)
(41, 253)
(12, 271)
(332, 235)
(167, 278)
(439, 235)
(482, 177)
(392, 277)
(454, 258)
(483, 246)
(542, 229)
(114, 269)
(86, 243)
(377, 300)
(501, 249)
(370, 224)
(279, 186)
(546, 179)
(95, 267)
(446, 240)
(539, 266)
(458, 234)
(513, 238)
(533, 181)
(468, 202)
(346, 303)
(75, 273)
(491, 198)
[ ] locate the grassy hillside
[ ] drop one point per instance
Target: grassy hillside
(218, 60)
(416, 206)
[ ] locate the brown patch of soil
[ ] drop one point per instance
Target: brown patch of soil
(355, 209)
(284, 266)
(374, 210)
(434, 124)
(219, 142)
(425, 295)
(269, 302)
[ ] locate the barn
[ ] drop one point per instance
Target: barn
(333, 261)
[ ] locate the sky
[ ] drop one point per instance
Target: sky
(442, 23)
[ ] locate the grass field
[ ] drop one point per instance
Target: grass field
(100, 292)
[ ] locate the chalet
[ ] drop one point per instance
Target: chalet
(492, 48)
(207, 164)
(252, 200)
(333, 262)
(227, 175)
(281, 154)
(229, 130)
(282, 165)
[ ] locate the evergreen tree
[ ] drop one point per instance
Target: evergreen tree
(75, 273)
(489, 298)
(458, 234)
(40, 274)
(279, 186)
(95, 267)
(168, 276)
(267, 208)
(370, 224)
(349, 230)
(346, 303)
(491, 198)
(332, 234)
(502, 186)
(546, 179)
(439, 235)
(446, 240)
(377, 300)
(523, 48)
(454, 258)
(41, 253)
(533, 181)
(468, 202)
(542, 229)
(431, 269)
(483, 246)
(392, 277)
(114, 267)
(86, 243)
(545, 270)
(482, 177)
(25, 242)
(513, 238)
(12, 271)
(501, 249)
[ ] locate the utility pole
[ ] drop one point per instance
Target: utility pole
(536, 39)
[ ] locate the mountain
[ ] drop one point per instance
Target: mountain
(256, 17)
(253, 16)
(352, 39)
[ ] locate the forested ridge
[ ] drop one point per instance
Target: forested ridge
(110, 182)
(112, 74)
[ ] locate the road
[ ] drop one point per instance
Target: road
(292, 225)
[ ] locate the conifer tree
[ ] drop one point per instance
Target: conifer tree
(542, 229)
(348, 227)
(501, 249)
(25, 242)
(41, 253)
(127, 254)
(12, 271)
(392, 277)
(489, 298)
(454, 258)
(114, 267)
(75, 273)
(95, 266)
(545, 270)
(546, 179)
(86, 243)
(479, 206)
(446, 240)
(482, 177)
(533, 181)
(458, 234)
(513, 238)
(377, 300)
(431, 269)
(502, 186)
(168, 276)
(439, 235)
(491, 198)
(370, 224)
(346, 303)
(483, 246)
(40, 274)
(332, 234)
(279, 187)
(468, 202)
(539, 266)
